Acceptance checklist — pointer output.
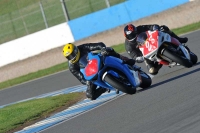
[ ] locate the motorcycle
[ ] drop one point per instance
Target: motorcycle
(160, 47)
(111, 73)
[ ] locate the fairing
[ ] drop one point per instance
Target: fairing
(117, 64)
(153, 45)
(102, 65)
(150, 45)
(90, 66)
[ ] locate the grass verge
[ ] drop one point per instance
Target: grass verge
(15, 117)
(63, 66)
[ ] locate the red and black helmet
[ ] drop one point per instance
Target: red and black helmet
(130, 32)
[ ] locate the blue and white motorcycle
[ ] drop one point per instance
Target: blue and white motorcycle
(111, 73)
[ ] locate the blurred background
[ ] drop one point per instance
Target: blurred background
(19, 18)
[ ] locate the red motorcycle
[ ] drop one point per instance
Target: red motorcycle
(160, 47)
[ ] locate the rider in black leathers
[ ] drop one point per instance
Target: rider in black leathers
(131, 32)
(73, 54)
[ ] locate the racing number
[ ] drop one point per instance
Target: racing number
(148, 46)
(150, 43)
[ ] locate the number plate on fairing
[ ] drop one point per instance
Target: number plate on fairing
(151, 44)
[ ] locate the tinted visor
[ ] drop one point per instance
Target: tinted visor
(73, 55)
(141, 39)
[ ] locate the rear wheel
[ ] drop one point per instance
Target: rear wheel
(193, 57)
(177, 58)
(118, 85)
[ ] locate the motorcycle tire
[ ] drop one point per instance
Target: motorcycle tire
(177, 58)
(193, 57)
(146, 80)
(117, 85)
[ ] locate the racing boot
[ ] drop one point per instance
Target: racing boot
(181, 40)
(90, 90)
(153, 69)
(150, 66)
(98, 93)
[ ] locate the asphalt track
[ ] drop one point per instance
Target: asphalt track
(170, 105)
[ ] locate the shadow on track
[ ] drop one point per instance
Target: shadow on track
(171, 79)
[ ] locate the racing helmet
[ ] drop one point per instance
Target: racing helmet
(130, 32)
(71, 52)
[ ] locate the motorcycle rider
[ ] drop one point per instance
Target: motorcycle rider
(73, 54)
(131, 32)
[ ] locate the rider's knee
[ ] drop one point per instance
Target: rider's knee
(153, 71)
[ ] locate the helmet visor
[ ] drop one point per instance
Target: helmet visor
(131, 35)
(141, 39)
(73, 55)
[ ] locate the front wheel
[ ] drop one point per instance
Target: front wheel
(177, 58)
(118, 85)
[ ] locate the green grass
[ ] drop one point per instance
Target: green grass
(63, 66)
(22, 17)
(16, 115)
(187, 28)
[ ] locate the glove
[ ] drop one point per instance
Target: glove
(106, 50)
(164, 28)
(139, 59)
